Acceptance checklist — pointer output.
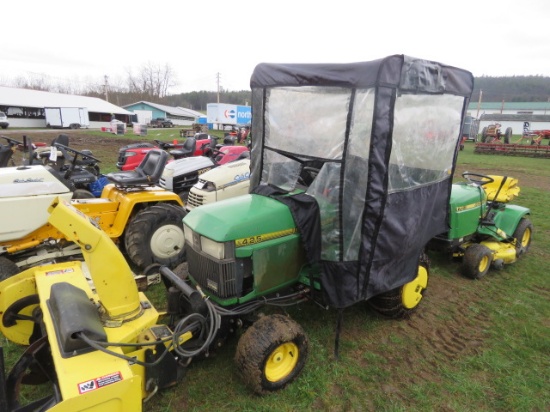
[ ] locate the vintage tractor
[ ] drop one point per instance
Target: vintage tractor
(485, 229)
(493, 134)
(144, 219)
(340, 216)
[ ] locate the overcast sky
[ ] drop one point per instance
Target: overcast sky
(81, 42)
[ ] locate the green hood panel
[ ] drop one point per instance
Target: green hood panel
(240, 217)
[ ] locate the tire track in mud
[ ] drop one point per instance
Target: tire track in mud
(448, 325)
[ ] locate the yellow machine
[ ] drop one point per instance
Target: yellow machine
(100, 346)
(142, 218)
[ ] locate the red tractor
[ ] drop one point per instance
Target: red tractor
(493, 134)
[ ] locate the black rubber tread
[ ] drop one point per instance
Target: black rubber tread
(83, 194)
(472, 258)
(484, 135)
(507, 135)
(389, 304)
(8, 268)
(259, 341)
(524, 225)
(141, 228)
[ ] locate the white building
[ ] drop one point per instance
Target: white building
(25, 107)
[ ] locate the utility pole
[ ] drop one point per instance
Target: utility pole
(479, 103)
(218, 81)
(106, 88)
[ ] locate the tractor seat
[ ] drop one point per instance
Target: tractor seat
(148, 172)
(5, 155)
(187, 149)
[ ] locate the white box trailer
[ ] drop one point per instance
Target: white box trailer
(67, 117)
(144, 116)
(228, 114)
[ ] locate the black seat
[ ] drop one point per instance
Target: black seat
(188, 148)
(146, 174)
(5, 155)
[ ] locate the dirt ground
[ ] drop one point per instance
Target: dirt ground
(438, 338)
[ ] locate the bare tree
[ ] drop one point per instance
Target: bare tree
(152, 80)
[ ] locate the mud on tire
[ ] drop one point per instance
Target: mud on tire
(523, 235)
(477, 261)
(155, 235)
(271, 353)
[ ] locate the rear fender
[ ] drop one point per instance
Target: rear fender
(129, 202)
(506, 220)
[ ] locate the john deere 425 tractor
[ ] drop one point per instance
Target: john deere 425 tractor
(351, 171)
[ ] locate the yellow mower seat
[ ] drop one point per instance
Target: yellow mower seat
(508, 192)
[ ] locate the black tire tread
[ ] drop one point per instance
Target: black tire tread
(138, 231)
(259, 341)
(523, 225)
(471, 259)
(389, 304)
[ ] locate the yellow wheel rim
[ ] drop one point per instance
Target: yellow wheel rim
(412, 291)
(483, 263)
(281, 362)
(526, 238)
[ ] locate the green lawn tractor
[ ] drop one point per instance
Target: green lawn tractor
(485, 229)
(351, 171)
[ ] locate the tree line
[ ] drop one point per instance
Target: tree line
(154, 82)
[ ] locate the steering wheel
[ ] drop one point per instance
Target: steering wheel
(478, 179)
(70, 149)
(307, 175)
(164, 145)
(12, 142)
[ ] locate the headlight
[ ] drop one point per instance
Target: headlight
(188, 234)
(212, 248)
(167, 172)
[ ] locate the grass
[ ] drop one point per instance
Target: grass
(472, 346)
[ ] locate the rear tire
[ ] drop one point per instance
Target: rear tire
(507, 135)
(401, 302)
(476, 261)
(484, 135)
(523, 235)
(8, 268)
(271, 353)
(155, 235)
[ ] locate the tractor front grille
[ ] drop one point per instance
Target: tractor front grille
(195, 199)
(218, 277)
(184, 182)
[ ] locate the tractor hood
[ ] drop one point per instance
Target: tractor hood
(466, 196)
(186, 165)
(229, 174)
(257, 216)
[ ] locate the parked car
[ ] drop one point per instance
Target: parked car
(161, 122)
(4, 120)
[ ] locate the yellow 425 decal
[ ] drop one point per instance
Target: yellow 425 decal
(252, 240)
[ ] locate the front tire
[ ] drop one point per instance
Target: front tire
(476, 261)
(271, 353)
(155, 235)
(401, 302)
(523, 235)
